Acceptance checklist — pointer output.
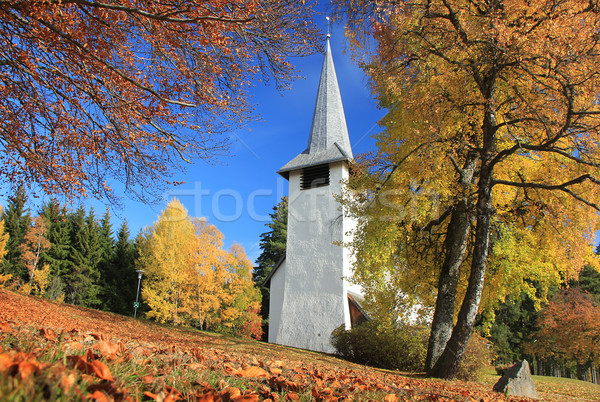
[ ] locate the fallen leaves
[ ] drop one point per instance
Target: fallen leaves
(253, 372)
(115, 358)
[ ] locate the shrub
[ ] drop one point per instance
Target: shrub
(476, 360)
(400, 348)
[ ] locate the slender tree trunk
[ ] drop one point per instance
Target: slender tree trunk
(447, 364)
(455, 247)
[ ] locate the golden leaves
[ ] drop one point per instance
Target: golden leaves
(190, 278)
(437, 75)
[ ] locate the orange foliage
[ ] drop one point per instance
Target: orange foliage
(569, 328)
(98, 91)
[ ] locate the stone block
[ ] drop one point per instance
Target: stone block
(517, 381)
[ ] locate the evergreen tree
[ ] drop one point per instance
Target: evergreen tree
(589, 281)
(273, 245)
(514, 324)
(106, 244)
(57, 256)
(16, 224)
(82, 281)
(121, 281)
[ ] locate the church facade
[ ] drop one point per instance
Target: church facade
(309, 293)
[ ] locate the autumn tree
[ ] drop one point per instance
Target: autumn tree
(167, 254)
(3, 242)
(489, 155)
(34, 245)
(191, 280)
(95, 93)
(241, 311)
(569, 330)
(207, 276)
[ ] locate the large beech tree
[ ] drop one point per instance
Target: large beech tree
(489, 155)
(94, 92)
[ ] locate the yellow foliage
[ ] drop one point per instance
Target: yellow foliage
(4, 279)
(430, 76)
(189, 278)
(3, 239)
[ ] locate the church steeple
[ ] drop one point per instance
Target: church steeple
(328, 141)
(310, 295)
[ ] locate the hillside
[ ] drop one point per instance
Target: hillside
(52, 351)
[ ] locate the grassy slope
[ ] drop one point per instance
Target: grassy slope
(41, 341)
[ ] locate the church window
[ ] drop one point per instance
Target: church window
(315, 176)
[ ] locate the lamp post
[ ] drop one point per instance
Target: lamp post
(136, 305)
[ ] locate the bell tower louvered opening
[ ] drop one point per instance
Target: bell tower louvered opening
(315, 176)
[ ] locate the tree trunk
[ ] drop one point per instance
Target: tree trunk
(447, 364)
(455, 247)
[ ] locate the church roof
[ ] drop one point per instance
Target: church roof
(328, 141)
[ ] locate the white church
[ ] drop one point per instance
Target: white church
(309, 295)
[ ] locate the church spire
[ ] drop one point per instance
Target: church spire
(328, 140)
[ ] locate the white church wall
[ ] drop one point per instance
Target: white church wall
(315, 301)
(276, 301)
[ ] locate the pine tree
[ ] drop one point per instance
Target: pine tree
(589, 281)
(82, 283)
(57, 256)
(104, 267)
(273, 246)
(16, 224)
(514, 323)
(122, 278)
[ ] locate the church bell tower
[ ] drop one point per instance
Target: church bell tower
(309, 295)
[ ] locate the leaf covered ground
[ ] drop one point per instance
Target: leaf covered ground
(53, 351)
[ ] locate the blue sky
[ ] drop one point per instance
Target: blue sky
(238, 193)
